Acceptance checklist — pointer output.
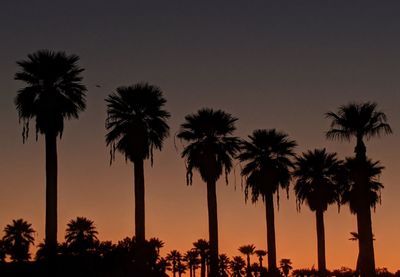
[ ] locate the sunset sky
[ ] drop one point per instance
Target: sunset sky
(273, 64)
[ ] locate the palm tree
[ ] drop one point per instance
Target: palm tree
(202, 247)
(360, 121)
(354, 237)
(286, 266)
(223, 265)
(210, 151)
(136, 124)
(81, 235)
(54, 92)
(157, 244)
(237, 265)
(247, 250)
(192, 259)
(260, 254)
(175, 258)
(267, 156)
(317, 184)
(17, 240)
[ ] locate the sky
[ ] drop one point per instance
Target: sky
(272, 64)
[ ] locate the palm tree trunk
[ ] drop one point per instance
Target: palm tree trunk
(321, 241)
(365, 241)
(203, 267)
(213, 227)
(139, 214)
(269, 209)
(51, 195)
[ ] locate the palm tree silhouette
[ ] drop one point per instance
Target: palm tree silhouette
(267, 156)
(286, 266)
(260, 254)
(317, 183)
(192, 259)
(247, 250)
(369, 171)
(237, 265)
(136, 124)
(202, 247)
(360, 121)
(210, 151)
(157, 244)
(174, 257)
(81, 235)
(223, 265)
(17, 239)
(54, 92)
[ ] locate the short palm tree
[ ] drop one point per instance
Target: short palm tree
(247, 250)
(202, 247)
(157, 244)
(174, 257)
(260, 254)
(360, 121)
(237, 265)
(3, 251)
(210, 150)
(286, 266)
(267, 163)
(54, 92)
(318, 184)
(136, 124)
(17, 239)
(81, 235)
(223, 265)
(192, 259)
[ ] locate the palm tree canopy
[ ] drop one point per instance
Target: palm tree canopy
(236, 266)
(267, 157)
(260, 253)
(247, 249)
(81, 232)
(17, 239)
(19, 232)
(54, 91)
(211, 145)
(317, 179)
(357, 120)
(361, 172)
(136, 121)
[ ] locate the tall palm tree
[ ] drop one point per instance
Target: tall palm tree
(136, 124)
(360, 121)
(267, 157)
(317, 183)
(210, 150)
(81, 235)
(54, 92)
(202, 247)
(237, 265)
(17, 239)
(247, 250)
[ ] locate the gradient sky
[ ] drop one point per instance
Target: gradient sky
(273, 64)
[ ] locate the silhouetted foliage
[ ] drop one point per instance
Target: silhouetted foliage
(267, 163)
(237, 265)
(210, 150)
(247, 250)
(17, 239)
(81, 236)
(54, 92)
(360, 121)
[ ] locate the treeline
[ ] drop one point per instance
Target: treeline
(137, 125)
(83, 254)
